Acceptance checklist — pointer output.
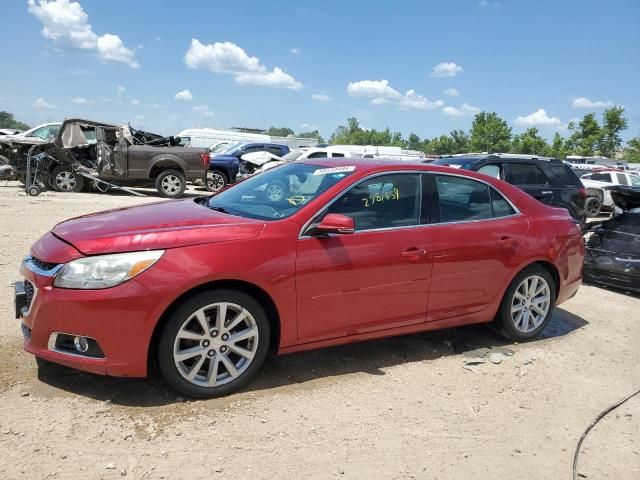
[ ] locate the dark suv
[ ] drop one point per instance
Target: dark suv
(547, 179)
(225, 166)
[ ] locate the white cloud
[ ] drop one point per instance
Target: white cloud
(295, 51)
(184, 96)
(41, 103)
(465, 109)
(157, 39)
(227, 57)
(135, 102)
(203, 110)
(451, 92)
(321, 97)
(412, 100)
(382, 93)
(67, 25)
(121, 89)
(584, 102)
(539, 117)
(372, 88)
(446, 69)
(81, 101)
(483, 3)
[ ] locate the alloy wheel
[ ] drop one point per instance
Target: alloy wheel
(530, 303)
(216, 182)
(171, 184)
(275, 192)
(65, 181)
(216, 344)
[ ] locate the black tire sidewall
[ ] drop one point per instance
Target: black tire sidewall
(505, 323)
(165, 346)
(176, 173)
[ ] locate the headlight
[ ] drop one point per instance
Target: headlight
(105, 271)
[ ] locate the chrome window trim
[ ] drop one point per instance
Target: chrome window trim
(364, 179)
(31, 266)
(516, 210)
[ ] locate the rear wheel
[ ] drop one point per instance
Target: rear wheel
(527, 304)
(214, 343)
(171, 183)
(64, 179)
(275, 191)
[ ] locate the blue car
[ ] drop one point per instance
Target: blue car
(224, 167)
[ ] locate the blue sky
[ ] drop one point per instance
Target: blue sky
(310, 65)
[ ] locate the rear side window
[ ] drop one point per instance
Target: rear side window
(492, 170)
(622, 179)
(341, 155)
(601, 177)
(525, 174)
(462, 199)
(501, 208)
(275, 150)
(562, 174)
(318, 155)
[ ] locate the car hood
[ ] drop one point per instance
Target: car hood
(162, 225)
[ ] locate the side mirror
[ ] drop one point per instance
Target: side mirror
(333, 223)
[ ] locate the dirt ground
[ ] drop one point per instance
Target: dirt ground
(402, 408)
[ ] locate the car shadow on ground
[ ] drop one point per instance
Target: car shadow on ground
(370, 357)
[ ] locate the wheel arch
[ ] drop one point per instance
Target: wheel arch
(255, 291)
(166, 164)
(547, 265)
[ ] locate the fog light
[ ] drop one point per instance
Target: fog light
(81, 344)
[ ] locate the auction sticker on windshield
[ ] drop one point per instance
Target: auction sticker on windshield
(327, 171)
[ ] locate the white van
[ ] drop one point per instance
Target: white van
(208, 137)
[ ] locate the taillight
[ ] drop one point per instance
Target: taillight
(204, 157)
(583, 191)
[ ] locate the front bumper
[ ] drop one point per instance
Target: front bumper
(118, 318)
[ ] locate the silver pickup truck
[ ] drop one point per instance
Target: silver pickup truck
(122, 156)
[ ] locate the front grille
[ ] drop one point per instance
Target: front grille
(42, 265)
(29, 291)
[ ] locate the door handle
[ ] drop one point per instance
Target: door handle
(504, 241)
(414, 252)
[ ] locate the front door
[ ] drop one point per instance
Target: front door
(375, 278)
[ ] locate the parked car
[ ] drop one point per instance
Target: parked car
(123, 156)
(613, 245)
(13, 146)
(9, 131)
(604, 179)
(353, 250)
(225, 167)
(547, 179)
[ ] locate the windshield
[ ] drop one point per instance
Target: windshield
(220, 148)
(235, 148)
(278, 192)
(293, 155)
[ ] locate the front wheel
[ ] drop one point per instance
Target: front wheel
(215, 180)
(171, 183)
(64, 179)
(214, 343)
(526, 306)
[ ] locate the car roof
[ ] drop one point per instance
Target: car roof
(501, 156)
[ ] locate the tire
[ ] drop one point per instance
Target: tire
(171, 183)
(184, 331)
(215, 180)
(64, 179)
(34, 191)
(276, 191)
(593, 206)
(510, 320)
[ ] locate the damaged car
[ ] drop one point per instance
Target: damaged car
(613, 246)
(108, 156)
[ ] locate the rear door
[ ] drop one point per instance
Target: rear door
(477, 238)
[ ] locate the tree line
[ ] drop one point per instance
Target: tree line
(490, 133)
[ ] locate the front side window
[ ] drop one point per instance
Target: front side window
(385, 201)
(492, 170)
(601, 177)
(635, 181)
(278, 192)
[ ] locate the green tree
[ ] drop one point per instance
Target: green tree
(585, 136)
(530, 142)
(414, 142)
(632, 152)
(613, 122)
(313, 134)
(443, 145)
(279, 131)
(558, 148)
(460, 141)
(489, 133)
(8, 121)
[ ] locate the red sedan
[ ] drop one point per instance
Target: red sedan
(306, 255)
